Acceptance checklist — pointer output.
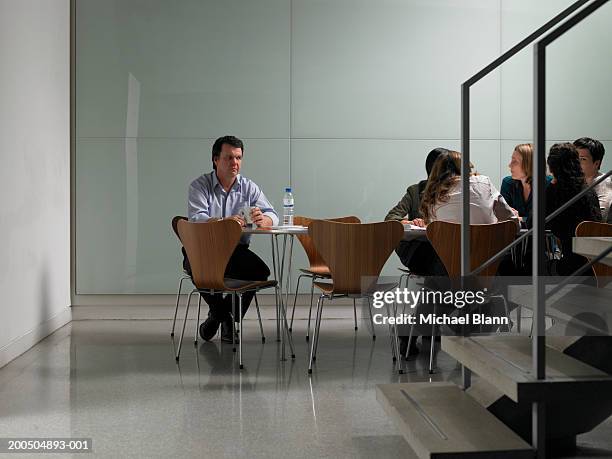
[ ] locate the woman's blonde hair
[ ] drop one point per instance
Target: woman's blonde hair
(525, 151)
(443, 176)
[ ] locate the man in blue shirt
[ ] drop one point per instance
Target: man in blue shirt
(222, 194)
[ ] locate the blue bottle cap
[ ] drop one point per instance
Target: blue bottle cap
(288, 189)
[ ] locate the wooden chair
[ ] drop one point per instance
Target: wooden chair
(185, 275)
(317, 269)
(603, 273)
(352, 252)
(209, 247)
(485, 241)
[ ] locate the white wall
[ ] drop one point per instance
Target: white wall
(34, 172)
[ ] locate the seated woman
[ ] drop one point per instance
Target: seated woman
(442, 199)
(516, 188)
(568, 180)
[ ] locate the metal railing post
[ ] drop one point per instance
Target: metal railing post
(539, 336)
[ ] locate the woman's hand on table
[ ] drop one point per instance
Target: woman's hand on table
(416, 222)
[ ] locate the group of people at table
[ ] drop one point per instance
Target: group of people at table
(224, 192)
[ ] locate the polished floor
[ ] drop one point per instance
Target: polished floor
(117, 383)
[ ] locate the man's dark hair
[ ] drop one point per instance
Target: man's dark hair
(228, 139)
(595, 147)
(431, 158)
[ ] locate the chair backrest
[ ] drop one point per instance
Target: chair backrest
(175, 221)
(485, 241)
(209, 247)
(353, 250)
(314, 257)
(603, 273)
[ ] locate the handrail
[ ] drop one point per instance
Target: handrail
(501, 253)
(465, 122)
(538, 346)
(539, 169)
(526, 41)
(578, 272)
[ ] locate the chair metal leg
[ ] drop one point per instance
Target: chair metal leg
(297, 289)
(394, 329)
(178, 297)
(391, 337)
(410, 341)
(312, 347)
(371, 319)
(240, 330)
(233, 322)
(318, 329)
(403, 276)
(507, 312)
(310, 310)
(355, 311)
(197, 326)
(518, 318)
(263, 338)
(433, 342)
(178, 352)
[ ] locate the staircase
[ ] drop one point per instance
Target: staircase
(532, 393)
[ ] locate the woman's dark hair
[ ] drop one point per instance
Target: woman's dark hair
(228, 139)
(595, 147)
(564, 165)
(431, 158)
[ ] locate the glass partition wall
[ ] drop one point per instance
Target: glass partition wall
(340, 99)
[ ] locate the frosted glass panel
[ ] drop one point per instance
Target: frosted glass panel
(366, 178)
(579, 102)
(342, 99)
(391, 69)
(203, 68)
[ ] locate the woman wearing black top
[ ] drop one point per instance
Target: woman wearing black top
(568, 181)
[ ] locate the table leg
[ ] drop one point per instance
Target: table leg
(282, 317)
(272, 240)
(282, 281)
(286, 302)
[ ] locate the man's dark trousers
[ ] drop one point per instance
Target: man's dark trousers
(243, 265)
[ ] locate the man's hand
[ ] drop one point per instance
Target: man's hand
(238, 218)
(259, 218)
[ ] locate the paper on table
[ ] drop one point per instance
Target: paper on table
(414, 227)
(287, 227)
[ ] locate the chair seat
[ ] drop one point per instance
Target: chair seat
(237, 285)
(319, 271)
(328, 288)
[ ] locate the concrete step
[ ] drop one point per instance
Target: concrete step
(439, 420)
(506, 362)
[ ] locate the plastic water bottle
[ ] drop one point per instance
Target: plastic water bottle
(288, 207)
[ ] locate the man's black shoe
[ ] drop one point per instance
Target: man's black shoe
(209, 328)
(226, 332)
